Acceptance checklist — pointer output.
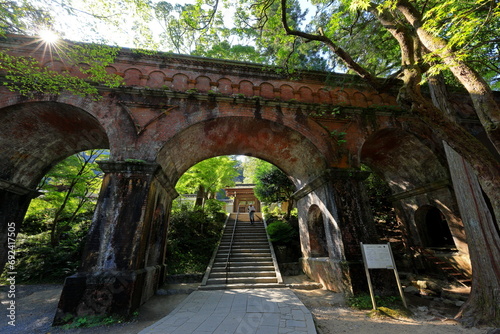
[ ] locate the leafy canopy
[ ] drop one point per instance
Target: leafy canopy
(272, 185)
(212, 174)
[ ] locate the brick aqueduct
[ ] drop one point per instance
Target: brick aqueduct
(175, 111)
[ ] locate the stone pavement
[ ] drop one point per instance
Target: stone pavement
(242, 311)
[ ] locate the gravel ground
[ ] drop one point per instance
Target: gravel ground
(36, 305)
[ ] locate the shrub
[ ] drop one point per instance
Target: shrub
(192, 238)
(281, 233)
(39, 262)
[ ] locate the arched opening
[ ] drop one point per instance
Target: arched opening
(433, 228)
(53, 233)
(317, 235)
(34, 137)
(413, 169)
(280, 145)
(283, 147)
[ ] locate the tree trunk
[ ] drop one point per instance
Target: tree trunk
(480, 228)
(481, 94)
(483, 305)
(200, 196)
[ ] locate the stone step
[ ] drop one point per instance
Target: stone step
(241, 258)
(247, 243)
(234, 256)
(239, 264)
(247, 236)
(243, 268)
(244, 252)
(242, 280)
(251, 263)
(242, 286)
(241, 274)
(256, 246)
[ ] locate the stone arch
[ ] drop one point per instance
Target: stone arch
(267, 90)
(324, 96)
(306, 94)
(225, 86)
(246, 88)
(132, 77)
(203, 84)
(340, 97)
(40, 135)
(317, 234)
(433, 227)
(180, 82)
(287, 92)
(156, 79)
(111, 70)
(376, 99)
(417, 176)
(34, 136)
(404, 160)
(55, 65)
(282, 146)
(359, 100)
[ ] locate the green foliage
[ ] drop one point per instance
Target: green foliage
(51, 238)
(192, 237)
(28, 77)
(91, 321)
(339, 137)
(39, 262)
(272, 185)
(378, 193)
(364, 301)
(208, 177)
(68, 189)
(250, 166)
(281, 233)
(17, 17)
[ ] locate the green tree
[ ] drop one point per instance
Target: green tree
(250, 166)
(273, 186)
(206, 178)
(68, 189)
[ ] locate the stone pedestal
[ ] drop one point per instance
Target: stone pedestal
(123, 261)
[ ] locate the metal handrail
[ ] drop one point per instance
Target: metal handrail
(226, 267)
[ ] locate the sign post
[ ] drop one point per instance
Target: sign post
(379, 256)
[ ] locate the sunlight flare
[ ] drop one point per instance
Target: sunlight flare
(48, 36)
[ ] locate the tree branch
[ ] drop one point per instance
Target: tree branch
(341, 53)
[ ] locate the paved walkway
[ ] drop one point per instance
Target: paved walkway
(265, 311)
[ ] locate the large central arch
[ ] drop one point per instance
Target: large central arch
(289, 150)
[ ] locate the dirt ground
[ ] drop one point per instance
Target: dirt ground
(36, 306)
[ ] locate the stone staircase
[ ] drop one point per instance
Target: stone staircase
(244, 258)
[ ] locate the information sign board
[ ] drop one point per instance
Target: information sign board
(378, 256)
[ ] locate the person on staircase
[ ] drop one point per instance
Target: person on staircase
(251, 211)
